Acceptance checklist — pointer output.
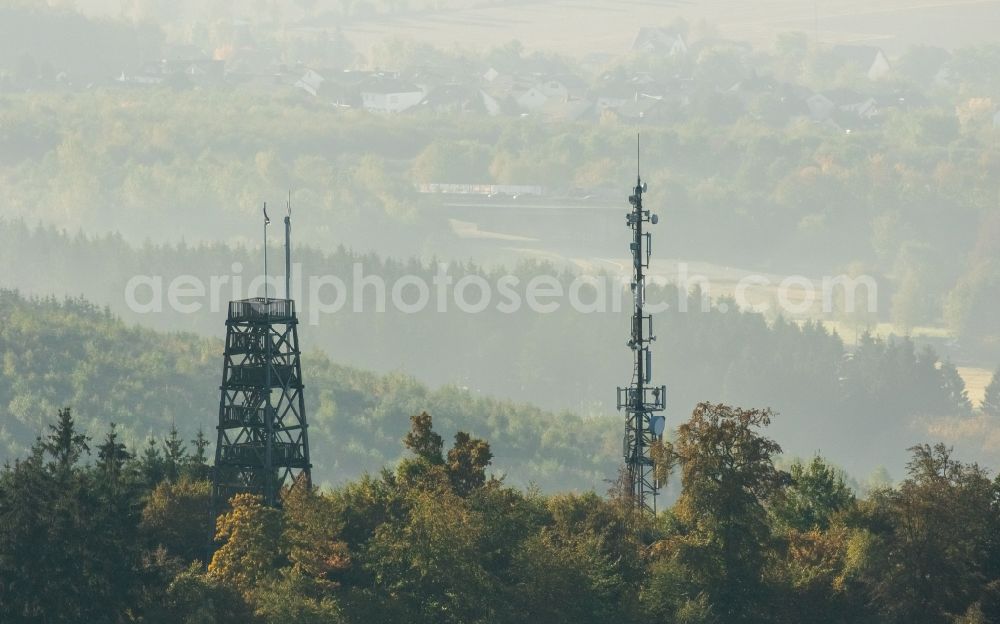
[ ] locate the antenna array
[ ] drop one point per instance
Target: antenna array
(640, 400)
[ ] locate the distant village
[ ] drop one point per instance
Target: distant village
(557, 97)
(632, 97)
(541, 88)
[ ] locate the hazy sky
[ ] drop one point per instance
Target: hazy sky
(578, 27)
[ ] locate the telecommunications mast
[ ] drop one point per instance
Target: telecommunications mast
(640, 399)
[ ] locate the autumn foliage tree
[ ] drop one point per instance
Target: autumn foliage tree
(436, 540)
(466, 462)
(935, 539)
(249, 536)
(725, 539)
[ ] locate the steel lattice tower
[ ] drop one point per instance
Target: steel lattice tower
(263, 442)
(640, 400)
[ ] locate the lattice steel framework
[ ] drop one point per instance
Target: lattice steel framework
(640, 400)
(263, 442)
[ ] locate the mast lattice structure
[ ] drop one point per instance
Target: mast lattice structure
(640, 400)
(263, 442)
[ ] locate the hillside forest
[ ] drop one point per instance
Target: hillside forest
(831, 464)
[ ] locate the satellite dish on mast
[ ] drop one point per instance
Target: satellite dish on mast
(657, 424)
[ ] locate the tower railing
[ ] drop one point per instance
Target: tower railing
(262, 309)
(256, 375)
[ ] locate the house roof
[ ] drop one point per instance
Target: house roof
(862, 55)
(348, 77)
(311, 81)
(385, 85)
(656, 39)
(469, 98)
(572, 82)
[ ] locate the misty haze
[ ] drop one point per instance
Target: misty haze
(447, 310)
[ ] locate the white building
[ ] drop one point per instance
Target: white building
(310, 82)
(388, 95)
(664, 41)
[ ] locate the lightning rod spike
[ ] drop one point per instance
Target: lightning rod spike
(266, 222)
(638, 160)
(288, 247)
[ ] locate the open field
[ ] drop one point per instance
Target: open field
(581, 27)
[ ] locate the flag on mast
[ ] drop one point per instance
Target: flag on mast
(267, 219)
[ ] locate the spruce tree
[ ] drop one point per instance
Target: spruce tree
(174, 455)
(991, 402)
(111, 457)
(196, 463)
(954, 389)
(64, 444)
(151, 464)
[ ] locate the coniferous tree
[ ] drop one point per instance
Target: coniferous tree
(196, 464)
(27, 492)
(427, 543)
(151, 463)
(200, 443)
(111, 457)
(68, 547)
(954, 389)
(64, 443)
(174, 455)
(991, 402)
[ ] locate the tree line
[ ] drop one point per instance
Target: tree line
(893, 199)
(891, 388)
(101, 532)
(55, 352)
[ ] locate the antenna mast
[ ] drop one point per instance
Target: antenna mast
(267, 222)
(640, 400)
(288, 248)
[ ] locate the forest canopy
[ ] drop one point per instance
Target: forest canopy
(822, 388)
(73, 353)
(95, 530)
